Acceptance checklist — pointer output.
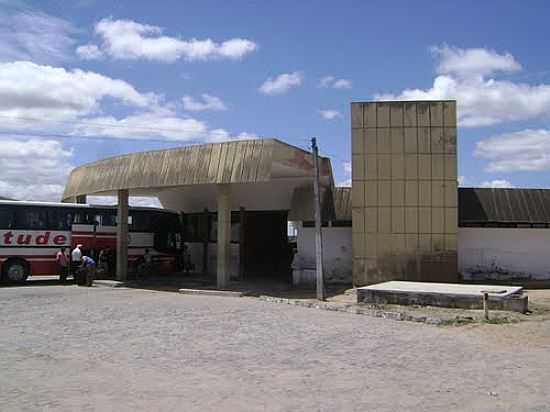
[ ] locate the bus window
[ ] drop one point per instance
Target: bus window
(60, 218)
(141, 222)
(129, 221)
(34, 218)
(108, 220)
(84, 217)
(167, 231)
(7, 217)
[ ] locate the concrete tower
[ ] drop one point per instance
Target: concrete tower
(404, 191)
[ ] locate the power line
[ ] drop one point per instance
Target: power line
(116, 125)
(305, 145)
(102, 137)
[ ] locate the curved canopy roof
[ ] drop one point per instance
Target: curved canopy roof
(248, 161)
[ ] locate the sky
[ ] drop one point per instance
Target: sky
(85, 79)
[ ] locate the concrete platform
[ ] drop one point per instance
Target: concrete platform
(212, 292)
(107, 283)
(450, 295)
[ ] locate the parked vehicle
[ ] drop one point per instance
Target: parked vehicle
(31, 233)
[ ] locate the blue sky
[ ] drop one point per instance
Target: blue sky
(87, 79)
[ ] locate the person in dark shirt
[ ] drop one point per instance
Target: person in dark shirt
(88, 264)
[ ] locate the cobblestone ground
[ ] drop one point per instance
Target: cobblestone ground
(66, 348)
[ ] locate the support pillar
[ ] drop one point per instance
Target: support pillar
(242, 240)
(205, 231)
(224, 235)
(122, 236)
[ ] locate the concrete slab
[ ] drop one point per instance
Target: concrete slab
(446, 288)
(108, 283)
(212, 292)
(444, 294)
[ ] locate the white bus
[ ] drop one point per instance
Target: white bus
(31, 234)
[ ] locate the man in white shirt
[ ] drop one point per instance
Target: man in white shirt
(76, 258)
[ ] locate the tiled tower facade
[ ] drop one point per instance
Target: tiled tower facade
(404, 191)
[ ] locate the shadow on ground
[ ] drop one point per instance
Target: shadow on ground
(267, 287)
(39, 281)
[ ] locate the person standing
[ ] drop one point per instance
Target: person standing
(146, 266)
(88, 264)
(76, 257)
(103, 261)
(62, 264)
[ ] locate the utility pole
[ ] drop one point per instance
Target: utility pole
(318, 235)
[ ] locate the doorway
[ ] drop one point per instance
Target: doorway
(265, 251)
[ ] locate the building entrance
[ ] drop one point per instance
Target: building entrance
(265, 251)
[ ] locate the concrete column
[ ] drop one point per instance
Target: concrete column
(224, 235)
(122, 236)
(242, 240)
(81, 199)
(205, 232)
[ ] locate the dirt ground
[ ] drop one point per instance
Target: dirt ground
(67, 348)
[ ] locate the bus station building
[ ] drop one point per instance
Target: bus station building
(404, 218)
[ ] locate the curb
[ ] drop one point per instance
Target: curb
(211, 292)
(358, 310)
(105, 283)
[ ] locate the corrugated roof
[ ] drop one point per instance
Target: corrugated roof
(247, 161)
(509, 206)
(342, 203)
(302, 204)
(232, 162)
(335, 204)
(475, 205)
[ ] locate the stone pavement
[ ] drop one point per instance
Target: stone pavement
(68, 348)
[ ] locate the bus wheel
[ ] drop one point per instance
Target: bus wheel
(15, 271)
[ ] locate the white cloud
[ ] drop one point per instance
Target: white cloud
(334, 83)
(144, 126)
(127, 39)
(473, 62)
(498, 184)
(29, 90)
(33, 169)
(221, 135)
(89, 52)
(207, 102)
(71, 102)
(347, 174)
(330, 114)
(347, 168)
(26, 34)
(482, 100)
(526, 150)
(461, 180)
(160, 124)
(282, 83)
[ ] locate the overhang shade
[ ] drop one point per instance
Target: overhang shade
(248, 161)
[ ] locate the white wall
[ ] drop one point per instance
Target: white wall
(483, 253)
(495, 253)
(336, 252)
